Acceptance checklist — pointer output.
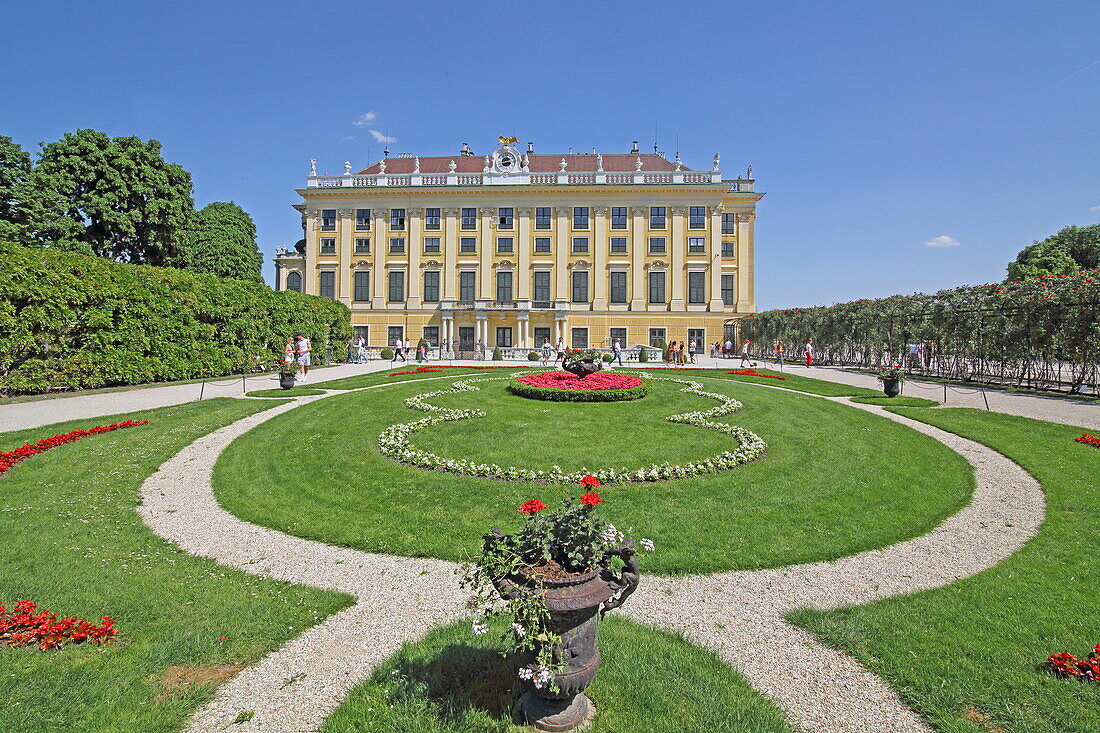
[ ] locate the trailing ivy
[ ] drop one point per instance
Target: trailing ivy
(70, 321)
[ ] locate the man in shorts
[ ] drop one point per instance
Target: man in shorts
(302, 348)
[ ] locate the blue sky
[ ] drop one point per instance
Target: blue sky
(874, 127)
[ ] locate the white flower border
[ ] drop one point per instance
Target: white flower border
(394, 443)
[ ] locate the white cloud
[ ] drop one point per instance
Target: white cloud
(942, 241)
(366, 118)
(347, 137)
(379, 137)
(1094, 208)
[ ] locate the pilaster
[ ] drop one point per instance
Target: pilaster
(714, 252)
(561, 251)
(677, 249)
(600, 245)
(638, 294)
(523, 249)
(413, 245)
(450, 249)
(378, 243)
(485, 255)
(744, 263)
(343, 271)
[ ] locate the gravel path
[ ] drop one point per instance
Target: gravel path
(739, 615)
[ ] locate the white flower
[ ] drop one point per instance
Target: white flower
(647, 544)
(478, 627)
(520, 631)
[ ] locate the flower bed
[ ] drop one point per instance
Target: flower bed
(1089, 440)
(25, 625)
(1069, 666)
(566, 387)
(9, 459)
(754, 373)
(394, 443)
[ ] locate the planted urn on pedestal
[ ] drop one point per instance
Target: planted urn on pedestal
(556, 575)
(891, 378)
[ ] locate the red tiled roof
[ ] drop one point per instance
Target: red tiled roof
(578, 163)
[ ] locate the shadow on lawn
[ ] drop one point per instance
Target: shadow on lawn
(462, 678)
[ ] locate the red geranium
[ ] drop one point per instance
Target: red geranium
(591, 498)
(534, 506)
(567, 381)
(590, 482)
(9, 459)
(25, 625)
(1089, 440)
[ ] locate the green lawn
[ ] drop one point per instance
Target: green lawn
(367, 380)
(836, 480)
(453, 682)
(794, 382)
(74, 543)
(968, 655)
(284, 393)
(899, 401)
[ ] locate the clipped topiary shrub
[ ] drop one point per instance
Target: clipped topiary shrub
(643, 356)
(70, 321)
(387, 354)
(497, 355)
(607, 358)
(533, 356)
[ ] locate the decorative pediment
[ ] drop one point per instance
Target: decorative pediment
(580, 265)
(657, 265)
(430, 264)
(361, 265)
(504, 265)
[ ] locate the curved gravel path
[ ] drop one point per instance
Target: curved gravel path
(739, 615)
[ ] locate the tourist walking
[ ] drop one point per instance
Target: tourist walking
(729, 349)
(290, 354)
(745, 353)
(617, 348)
(559, 350)
(408, 349)
(692, 345)
(398, 350)
(670, 353)
(779, 349)
(808, 352)
(361, 350)
(302, 349)
(681, 354)
(547, 350)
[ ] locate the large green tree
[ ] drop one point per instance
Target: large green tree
(220, 239)
(1071, 249)
(118, 196)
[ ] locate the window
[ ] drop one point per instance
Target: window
(542, 335)
(328, 285)
(328, 246)
(294, 281)
(656, 337)
(393, 333)
(656, 245)
(397, 245)
(504, 245)
(431, 286)
(328, 220)
(469, 219)
(729, 223)
(617, 333)
(697, 287)
(580, 287)
(657, 217)
(467, 285)
(542, 245)
(361, 292)
(542, 217)
(467, 245)
(397, 286)
(727, 249)
(697, 217)
(362, 246)
(431, 245)
(699, 336)
(727, 290)
(542, 286)
(506, 218)
(580, 244)
(363, 331)
(580, 217)
(656, 287)
(580, 338)
(618, 287)
(504, 286)
(618, 245)
(431, 335)
(397, 220)
(431, 219)
(618, 217)
(504, 335)
(697, 245)
(362, 220)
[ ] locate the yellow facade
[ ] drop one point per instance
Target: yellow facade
(506, 259)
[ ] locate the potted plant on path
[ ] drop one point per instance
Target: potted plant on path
(556, 575)
(288, 374)
(891, 378)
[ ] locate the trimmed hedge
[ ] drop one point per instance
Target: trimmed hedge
(386, 354)
(578, 395)
(533, 356)
(70, 321)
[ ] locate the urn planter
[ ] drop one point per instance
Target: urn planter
(582, 368)
(286, 380)
(575, 602)
(891, 387)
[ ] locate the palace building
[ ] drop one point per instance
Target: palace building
(510, 248)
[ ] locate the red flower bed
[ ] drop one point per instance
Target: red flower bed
(534, 506)
(565, 380)
(9, 459)
(25, 625)
(1067, 665)
(441, 367)
(1087, 439)
(754, 373)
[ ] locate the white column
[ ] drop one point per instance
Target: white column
(561, 252)
(485, 290)
(378, 242)
(523, 248)
(413, 244)
(677, 249)
(714, 254)
(744, 263)
(638, 294)
(599, 269)
(343, 273)
(450, 249)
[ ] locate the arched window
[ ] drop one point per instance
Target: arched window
(294, 282)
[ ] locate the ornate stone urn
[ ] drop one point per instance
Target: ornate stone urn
(891, 387)
(581, 367)
(286, 379)
(575, 604)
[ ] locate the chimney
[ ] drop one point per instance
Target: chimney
(530, 148)
(465, 149)
(634, 150)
